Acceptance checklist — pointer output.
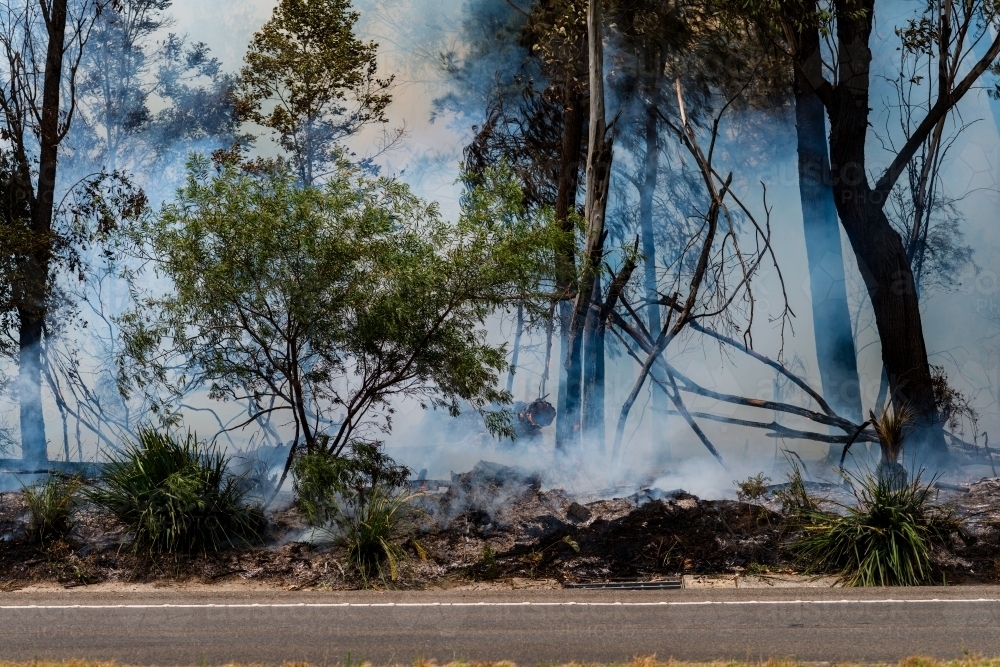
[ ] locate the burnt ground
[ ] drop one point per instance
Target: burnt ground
(493, 524)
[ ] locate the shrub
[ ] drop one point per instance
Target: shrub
(50, 507)
(175, 495)
(322, 479)
(372, 528)
(752, 490)
(359, 500)
(884, 540)
(794, 499)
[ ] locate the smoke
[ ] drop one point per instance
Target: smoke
(449, 59)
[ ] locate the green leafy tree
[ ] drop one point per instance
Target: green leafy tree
(311, 81)
(327, 303)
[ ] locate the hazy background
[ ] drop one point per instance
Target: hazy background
(961, 326)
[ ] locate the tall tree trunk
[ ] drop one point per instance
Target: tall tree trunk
(593, 374)
(567, 420)
(879, 249)
(33, 446)
(598, 182)
(33, 307)
(651, 165)
(835, 351)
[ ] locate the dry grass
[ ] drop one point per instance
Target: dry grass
(913, 661)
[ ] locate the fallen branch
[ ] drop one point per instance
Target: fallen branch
(675, 398)
(799, 382)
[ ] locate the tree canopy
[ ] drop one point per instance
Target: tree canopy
(312, 82)
(324, 303)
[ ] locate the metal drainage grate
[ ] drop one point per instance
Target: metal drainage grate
(668, 584)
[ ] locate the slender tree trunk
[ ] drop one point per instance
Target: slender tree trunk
(567, 420)
(543, 386)
(598, 181)
(651, 160)
(34, 305)
(835, 352)
(593, 374)
(879, 249)
(517, 348)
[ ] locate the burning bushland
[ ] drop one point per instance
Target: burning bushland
(494, 525)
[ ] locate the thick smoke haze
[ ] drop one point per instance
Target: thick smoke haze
(961, 324)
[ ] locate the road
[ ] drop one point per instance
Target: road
(164, 626)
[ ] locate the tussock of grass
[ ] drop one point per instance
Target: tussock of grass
(883, 540)
(176, 495)
(50, 508)
(652, 661)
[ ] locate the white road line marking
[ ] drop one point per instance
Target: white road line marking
(323, 605)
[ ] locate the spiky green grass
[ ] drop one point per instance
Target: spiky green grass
(885, 539)
(175, 495)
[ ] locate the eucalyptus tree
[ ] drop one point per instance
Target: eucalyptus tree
(117, 76)
(41, 47)
(833, 334)
(841, 77)
(525, 66)
(312, 82)
(144, 98)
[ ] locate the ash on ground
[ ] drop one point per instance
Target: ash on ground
(492, 526)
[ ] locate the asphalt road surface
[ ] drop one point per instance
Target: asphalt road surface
(198, 627)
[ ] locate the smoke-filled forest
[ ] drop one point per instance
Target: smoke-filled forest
(276, 272)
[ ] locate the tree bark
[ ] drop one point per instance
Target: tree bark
(593, 374)
(598, 182)
(660, 409)
(567, 421)
(835, 350)
(515, 355)
(33, 306)
(32, 417)
(879, 249)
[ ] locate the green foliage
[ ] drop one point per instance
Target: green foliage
(331, 300)
(884, 540)
(488, 564)
(752, 489)
(317, 78)
(358, 499)
(372, 528)
(322, 479)
(50, 507)
(175, 495)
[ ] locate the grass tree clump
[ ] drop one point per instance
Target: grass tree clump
(175, 495)
(50, 508)
(359, 499)
(891, 427)
(372, 529)
(885, 539)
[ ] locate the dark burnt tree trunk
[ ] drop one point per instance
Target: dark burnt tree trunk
(835, 351)
(567, 420)
(35, 263)
(879, 249)
(594, 331)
